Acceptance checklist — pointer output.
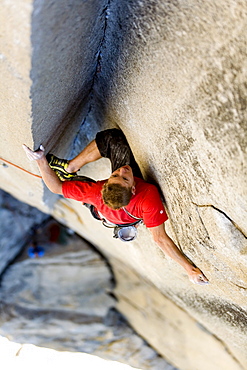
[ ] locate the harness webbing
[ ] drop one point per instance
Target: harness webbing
(129, 214)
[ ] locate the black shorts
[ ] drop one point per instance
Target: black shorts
(113, 144)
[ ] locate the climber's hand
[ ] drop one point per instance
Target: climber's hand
(34, 155)
(197, 277)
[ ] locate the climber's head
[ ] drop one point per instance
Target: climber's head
(119, 188)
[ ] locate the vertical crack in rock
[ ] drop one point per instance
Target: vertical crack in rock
(223, 213)
(238, 286)
(105, 13)
(203, 225)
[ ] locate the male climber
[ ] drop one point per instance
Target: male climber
(123, 198)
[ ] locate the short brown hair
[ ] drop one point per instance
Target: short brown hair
(116, 196)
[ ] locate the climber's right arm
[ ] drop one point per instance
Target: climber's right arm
(48, 175)
(89, 154)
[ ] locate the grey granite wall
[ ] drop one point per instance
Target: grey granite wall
(172, 76)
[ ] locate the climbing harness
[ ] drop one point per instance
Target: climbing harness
(129, 214)
(124, 232)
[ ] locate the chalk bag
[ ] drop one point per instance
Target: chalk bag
(126, 233)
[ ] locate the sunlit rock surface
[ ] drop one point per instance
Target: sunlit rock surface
(172, 76)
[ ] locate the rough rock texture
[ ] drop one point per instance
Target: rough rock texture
(172, 76)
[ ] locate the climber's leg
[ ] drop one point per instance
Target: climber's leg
(113, 144)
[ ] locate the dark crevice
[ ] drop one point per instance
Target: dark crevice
(98, 67)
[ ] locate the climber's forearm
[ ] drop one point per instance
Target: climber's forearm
(89, 154)
(49, 176)
(170, 249)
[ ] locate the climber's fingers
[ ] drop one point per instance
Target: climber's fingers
(197, 277)
(34, 155)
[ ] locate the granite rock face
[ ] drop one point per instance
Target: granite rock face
(172, 76)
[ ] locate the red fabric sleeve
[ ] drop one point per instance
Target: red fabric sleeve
(79, 190)
(154, 213)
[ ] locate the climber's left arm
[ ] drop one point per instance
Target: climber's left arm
(170, 249)
(48, 175)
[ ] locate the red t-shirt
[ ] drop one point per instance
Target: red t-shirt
(145, 204)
